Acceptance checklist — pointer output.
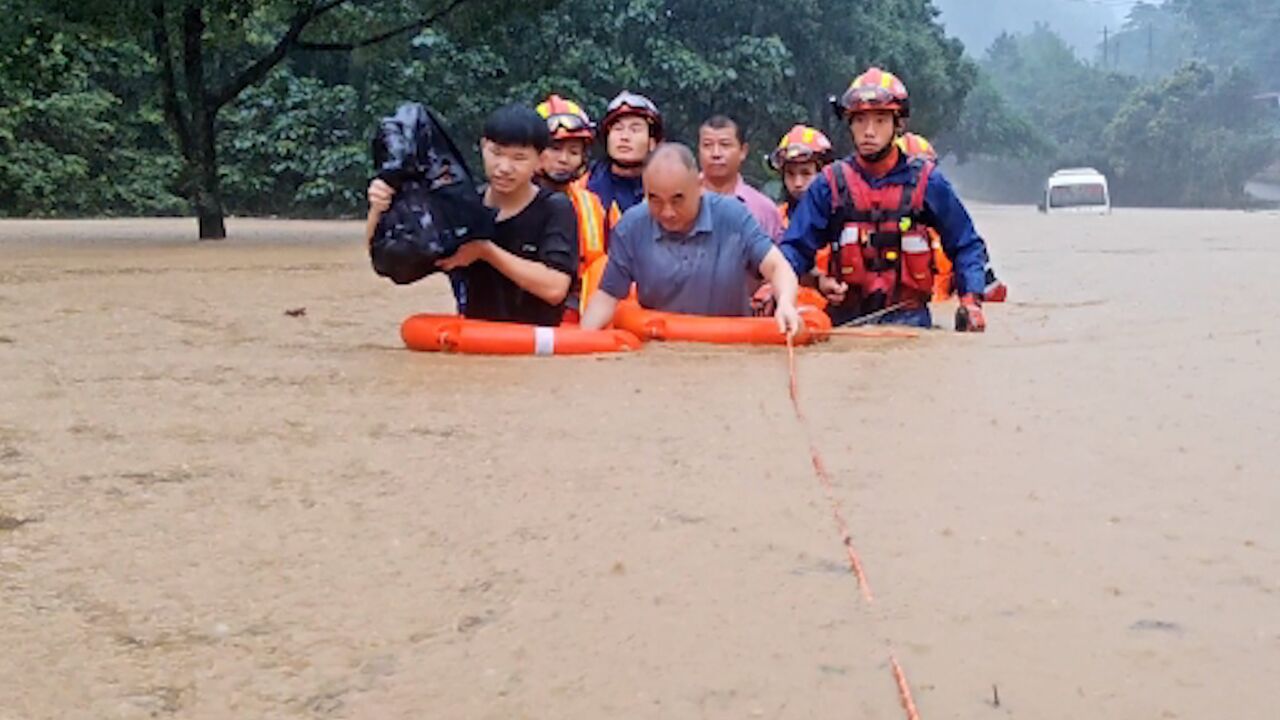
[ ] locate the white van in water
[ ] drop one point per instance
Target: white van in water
(1076, 190)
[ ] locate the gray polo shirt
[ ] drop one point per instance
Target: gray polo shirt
(712, 270)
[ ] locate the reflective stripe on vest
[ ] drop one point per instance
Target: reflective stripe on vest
(592, 240)
(591, 237)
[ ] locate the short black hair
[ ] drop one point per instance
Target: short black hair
(720, 122)
(517, 125)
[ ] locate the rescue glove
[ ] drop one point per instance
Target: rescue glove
(996, 290)
(763, 303)
(969, 317)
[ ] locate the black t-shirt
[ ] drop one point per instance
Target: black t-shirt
(546, 231)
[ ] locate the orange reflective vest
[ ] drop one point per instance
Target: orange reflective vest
(884, 247)
(593, 239)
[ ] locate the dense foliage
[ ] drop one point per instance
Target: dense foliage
(155, 106)
(138, 107)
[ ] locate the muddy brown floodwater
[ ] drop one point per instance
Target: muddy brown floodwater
(214, 508)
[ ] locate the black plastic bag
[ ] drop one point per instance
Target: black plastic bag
(436, 207)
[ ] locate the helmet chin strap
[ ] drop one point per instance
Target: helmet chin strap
(564, 178)
(878, 155)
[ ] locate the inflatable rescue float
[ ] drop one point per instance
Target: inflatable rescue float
(451, 333)
(654, 325)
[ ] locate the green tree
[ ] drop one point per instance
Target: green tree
(989, 127)
(77, 134)
(1192, 139)
(1155, 41)
(294, 144)
(1069, 101)
(266, 107)
(1226, 33)
(208, 52)
(768, 69)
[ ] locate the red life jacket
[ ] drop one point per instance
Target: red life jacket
(884, 246)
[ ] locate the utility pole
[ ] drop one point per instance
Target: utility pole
(1151, 50)
(1106, 46)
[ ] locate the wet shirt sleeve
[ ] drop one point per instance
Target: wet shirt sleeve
(619, 271)
(558, 249)
(756, 242)
(808, 231)
(960, 240)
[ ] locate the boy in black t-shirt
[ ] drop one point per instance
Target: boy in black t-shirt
(526, 271)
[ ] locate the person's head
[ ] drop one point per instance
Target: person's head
(877, 107)
(513, 141)
(721, 149)
(799, 157)
(672, 187)
(565, 158)
(632, 128)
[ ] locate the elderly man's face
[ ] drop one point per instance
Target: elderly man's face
(674, 194)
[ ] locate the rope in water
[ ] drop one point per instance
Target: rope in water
(842, 526)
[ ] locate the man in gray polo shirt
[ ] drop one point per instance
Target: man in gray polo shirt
(690, 252)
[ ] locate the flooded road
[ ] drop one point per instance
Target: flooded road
(213, 508)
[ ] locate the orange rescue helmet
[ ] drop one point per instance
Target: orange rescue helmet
(916, 146)
(566, 120)
(874, 89)
(801, 144)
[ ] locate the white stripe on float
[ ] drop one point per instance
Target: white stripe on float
(544, 341)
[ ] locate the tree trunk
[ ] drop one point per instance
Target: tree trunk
(209, 215)
(207, 194)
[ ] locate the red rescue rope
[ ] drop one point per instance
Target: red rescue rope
(846, 538)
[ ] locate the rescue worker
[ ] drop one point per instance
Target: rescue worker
(800, 156)
(722, 148)
(564, 163)
(917, 146)
(875, 208)
(632, 128)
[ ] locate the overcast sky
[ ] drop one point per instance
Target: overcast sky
(978, 22)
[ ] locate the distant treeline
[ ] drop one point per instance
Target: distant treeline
(1172, 107)
(145, 107)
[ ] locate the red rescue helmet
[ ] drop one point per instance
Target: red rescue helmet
(627, 104)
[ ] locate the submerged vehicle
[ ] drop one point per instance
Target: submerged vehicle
(1076, 190)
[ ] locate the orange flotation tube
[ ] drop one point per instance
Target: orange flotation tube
(654, 325)
(451, 333)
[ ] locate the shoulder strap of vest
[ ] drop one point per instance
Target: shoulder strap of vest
(913, 189)
(859, 188)
(922, 184)
(839, 184)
